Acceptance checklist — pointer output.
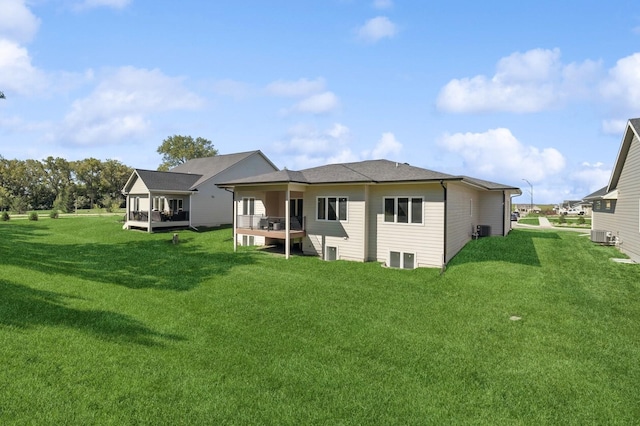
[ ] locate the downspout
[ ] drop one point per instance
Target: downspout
(149, 228)
(444, 242)
(504, 213)
(235, 237)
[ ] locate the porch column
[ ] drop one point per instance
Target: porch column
(190, 223)
(287, 221)
(127, 206)
(149, 229)
(235, 221)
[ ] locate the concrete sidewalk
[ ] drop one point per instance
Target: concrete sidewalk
(545, 224)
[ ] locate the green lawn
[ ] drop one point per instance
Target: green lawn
(104, 326)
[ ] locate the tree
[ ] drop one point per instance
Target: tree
(2, 95)
(179, 149)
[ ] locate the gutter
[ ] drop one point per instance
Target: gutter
(444, 242)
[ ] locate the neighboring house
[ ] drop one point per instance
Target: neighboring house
(525, 209)
(378, 210)
(616, 207)
(187, 195)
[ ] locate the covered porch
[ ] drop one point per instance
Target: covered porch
(157, 210)
(272, 212)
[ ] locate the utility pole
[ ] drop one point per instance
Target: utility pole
(530, 192)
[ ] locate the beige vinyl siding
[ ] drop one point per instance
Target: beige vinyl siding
(462, 216)
(258, 210)
(425, 240)
(212, 206)
(347, 236)
(627, 213)
(490, 211)
(604, 222)
(138, 187)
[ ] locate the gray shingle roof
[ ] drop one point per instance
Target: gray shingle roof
(372, 171)
(596, 195)
(210, 166)
(167, 181)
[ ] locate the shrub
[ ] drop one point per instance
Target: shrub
(33, 216)
(54, 214)
(5, 216)
(581, 220)
(562, 219)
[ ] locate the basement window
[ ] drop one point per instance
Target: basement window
(402, 260)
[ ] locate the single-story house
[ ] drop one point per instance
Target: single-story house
(379, 210)
(187, 195)
(616, 207)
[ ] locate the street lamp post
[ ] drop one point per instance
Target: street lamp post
(530, 192)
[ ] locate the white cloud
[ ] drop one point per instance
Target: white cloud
(382, 4)
(17, 23)
(120, 106)
(298, 88)
(497, 154)
(116, 4)
(523, 82)
(376, 29)
(622, 85)
(305, 146)
(320, 103)
(17, 74)
(233, 88)
(387, 146)
(589, 178)
(614, 126)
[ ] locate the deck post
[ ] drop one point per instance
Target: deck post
(149, 228)
(287, 221)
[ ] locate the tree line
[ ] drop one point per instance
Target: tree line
(58, 184)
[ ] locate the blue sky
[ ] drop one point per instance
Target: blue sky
(498, 90)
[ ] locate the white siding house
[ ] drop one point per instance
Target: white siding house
(396, 214)
(187, 195)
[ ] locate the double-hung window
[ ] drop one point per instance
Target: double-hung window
(403, 210)
(331, 208)
(248, 206)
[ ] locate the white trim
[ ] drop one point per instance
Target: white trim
(409, 210)
(326, 208)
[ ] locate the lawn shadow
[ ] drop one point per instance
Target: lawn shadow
(518, 247)
(136, 264)
(25, 307)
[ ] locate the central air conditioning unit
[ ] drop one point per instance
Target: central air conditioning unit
(483, 230)
(601, 237)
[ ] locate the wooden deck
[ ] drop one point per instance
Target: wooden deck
(280, 234)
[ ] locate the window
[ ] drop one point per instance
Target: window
(136, 204)
(331, 208)
(402, 260)
(158, 203)
(175, 205)
(403, 210)
(331, 253)
(248, 240)
(604, 206)
(248, 206)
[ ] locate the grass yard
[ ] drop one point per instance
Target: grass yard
(104, 326)
(531, 220)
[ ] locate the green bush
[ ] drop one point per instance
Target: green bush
(33, 216)
(581, 220)
(5, 216)
(54, 214)
(562, 219)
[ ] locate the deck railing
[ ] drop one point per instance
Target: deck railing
(156, 216)
(269, 223)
